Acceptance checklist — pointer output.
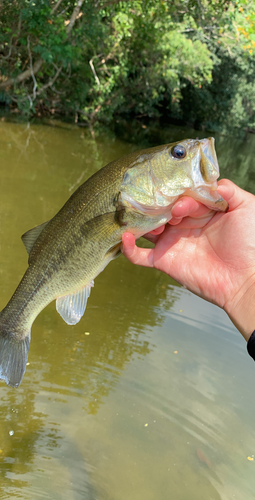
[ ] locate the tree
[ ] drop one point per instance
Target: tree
(190, 60)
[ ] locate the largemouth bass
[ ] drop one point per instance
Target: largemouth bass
(134, 193)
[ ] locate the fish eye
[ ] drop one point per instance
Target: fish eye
(178, 151)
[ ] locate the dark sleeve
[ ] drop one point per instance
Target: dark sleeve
(251, 345)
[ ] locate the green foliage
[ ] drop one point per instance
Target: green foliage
(190, 60)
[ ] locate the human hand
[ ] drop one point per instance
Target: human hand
(210, 253)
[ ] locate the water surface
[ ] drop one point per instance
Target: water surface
(151, 395)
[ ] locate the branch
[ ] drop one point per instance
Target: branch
(50, 82)
(56, 6)
(38, 92)
(22, 76)
(33, 69)
(74, 16)
(18, 30)
(10, 51)
(94, 71)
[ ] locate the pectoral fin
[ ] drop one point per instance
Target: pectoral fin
(72, 307)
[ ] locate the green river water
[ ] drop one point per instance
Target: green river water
(151, 395)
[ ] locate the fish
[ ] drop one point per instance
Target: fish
(134, 193)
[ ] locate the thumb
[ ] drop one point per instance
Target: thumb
(233, 194)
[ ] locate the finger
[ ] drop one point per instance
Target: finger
(195, 222)
(234, 195)
(187, 206)
(175, 220)
(157, 231)
(136, 255)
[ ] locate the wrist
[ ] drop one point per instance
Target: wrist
(241, 309)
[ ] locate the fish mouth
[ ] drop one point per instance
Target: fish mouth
(209, 197)
(221, 205)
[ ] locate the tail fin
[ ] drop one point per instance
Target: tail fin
(13, 358)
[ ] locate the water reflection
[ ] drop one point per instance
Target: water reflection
(156, 401)
(20, 428)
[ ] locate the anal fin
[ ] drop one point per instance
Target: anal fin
(72, 307)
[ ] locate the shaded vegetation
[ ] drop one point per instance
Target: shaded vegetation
(184, 61)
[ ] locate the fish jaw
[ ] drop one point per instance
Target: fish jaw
(208, 197)
(205, 172)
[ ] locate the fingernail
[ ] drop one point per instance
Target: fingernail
(175, 220)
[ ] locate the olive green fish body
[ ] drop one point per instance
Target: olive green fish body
(136, 194)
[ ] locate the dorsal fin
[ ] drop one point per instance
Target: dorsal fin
(30, 237)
